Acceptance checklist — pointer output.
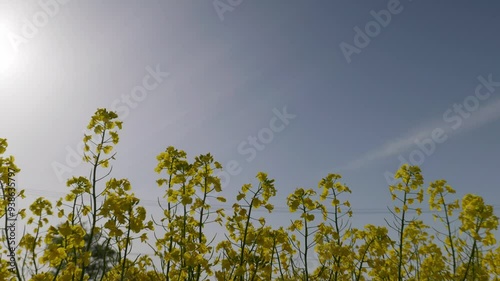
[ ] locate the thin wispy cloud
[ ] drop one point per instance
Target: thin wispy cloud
(485, 114)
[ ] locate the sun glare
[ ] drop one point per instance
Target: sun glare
(7, 50)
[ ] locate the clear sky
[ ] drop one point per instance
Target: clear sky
(344, 87)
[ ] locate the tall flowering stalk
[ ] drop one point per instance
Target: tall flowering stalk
(247, 253)
(407, 192)
(184, 250)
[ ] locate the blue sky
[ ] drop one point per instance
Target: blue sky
(226, 75)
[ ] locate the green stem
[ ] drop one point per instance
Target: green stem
(450, 237)
(401, 237)
(127, 242)
(94, 199)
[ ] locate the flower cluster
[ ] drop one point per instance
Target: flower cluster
(89, 234)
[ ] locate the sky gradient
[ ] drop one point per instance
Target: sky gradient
(213, 81)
